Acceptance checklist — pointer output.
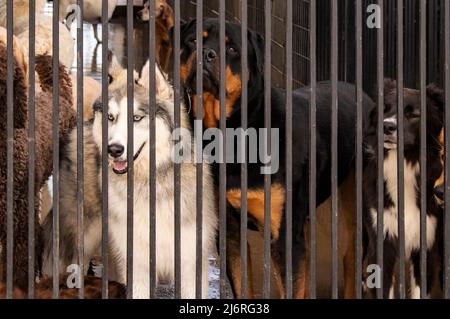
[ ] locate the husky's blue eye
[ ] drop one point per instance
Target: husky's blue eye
(137, 118)
(110, 117)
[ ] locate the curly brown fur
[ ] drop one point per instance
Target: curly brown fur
(19, 84)
(43, 159)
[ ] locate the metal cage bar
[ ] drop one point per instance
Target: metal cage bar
(334, 150)
(447, 153)
(267, 125)
(80, 150)
(10, 155)
(423, 149)
(199, 165)
(177, 166)
(55, 138)
(152, 150)
(244, 168)
(359, 149)
(380, 150)
(31, 151)
(400, 153)
(222, 168)
(288, 209)
(130, 148)
(313, 148)
(105, 164)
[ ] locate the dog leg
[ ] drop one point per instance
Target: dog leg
(95, 28)
(234, 257)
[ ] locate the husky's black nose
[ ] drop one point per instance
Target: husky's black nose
(389, 128)
(115, 150)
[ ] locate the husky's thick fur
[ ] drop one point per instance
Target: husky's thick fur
(117, 192)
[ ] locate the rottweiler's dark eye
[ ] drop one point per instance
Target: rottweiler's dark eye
(232, 50)
(193, 41)
(411, 112)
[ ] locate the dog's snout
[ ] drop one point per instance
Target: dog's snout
(209, 55)
(115, 150)
(440, 191)
(390, 128)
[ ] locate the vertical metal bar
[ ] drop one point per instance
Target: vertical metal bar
(359, 149)
(244, 169)
(222, 168)
(10, 154)
(152, 149)
(334, 149)
(130, 148)
(267, 124)
(80, 148)
(447, 153)
(31, 150)
(288, 208)
(400, 144)
(177, 173)
(55, 129)
(199, 165)
(380, 153)
(313, 148)
(423, 149)
(105, 164)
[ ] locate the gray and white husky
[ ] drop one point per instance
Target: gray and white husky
(117, 192)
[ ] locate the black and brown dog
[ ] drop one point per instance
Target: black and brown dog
(300, 153)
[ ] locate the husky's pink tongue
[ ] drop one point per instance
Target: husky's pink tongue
(119, 165)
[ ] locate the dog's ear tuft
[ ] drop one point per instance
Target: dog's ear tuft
(436, 94)
(390, 86)
(257, 43)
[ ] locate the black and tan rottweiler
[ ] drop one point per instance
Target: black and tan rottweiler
(300, 149)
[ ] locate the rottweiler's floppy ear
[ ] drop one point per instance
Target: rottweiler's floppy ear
(183, 27)
(257, 43)
(436, 95)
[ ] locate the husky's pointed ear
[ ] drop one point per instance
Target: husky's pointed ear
(114, 67)
(164, 89)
